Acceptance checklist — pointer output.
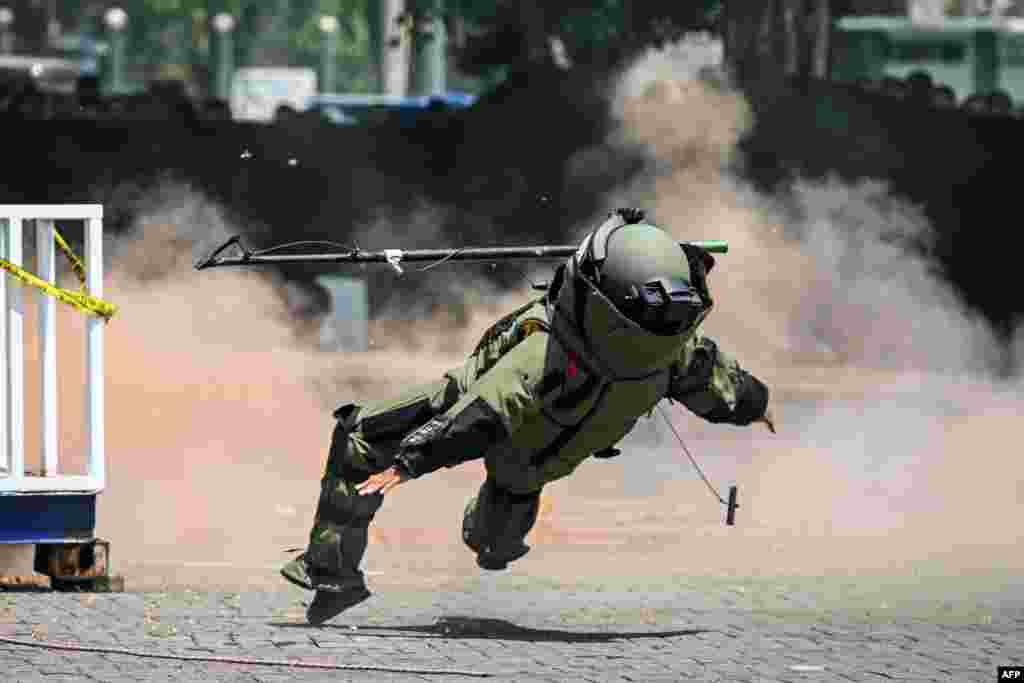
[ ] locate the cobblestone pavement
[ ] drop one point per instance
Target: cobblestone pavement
(745, 631)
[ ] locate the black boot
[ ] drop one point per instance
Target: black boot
(496, 561)
(328, 604)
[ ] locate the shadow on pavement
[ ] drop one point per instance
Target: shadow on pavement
(491, 629)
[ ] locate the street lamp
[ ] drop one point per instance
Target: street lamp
(224, 26)
(116, 19)
(328, 52)
(6, 35)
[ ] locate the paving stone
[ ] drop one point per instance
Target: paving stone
(523, 637)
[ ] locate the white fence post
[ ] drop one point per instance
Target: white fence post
(15, 354)
(5, 457)
(47, 306)
(94, 350)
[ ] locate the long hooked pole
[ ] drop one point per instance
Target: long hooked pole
(395, 257)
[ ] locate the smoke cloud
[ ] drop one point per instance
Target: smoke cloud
(894, 423)
(892, 446)
(218, 400)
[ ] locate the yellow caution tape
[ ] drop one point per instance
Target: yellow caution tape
(81, 300)
(76, 263)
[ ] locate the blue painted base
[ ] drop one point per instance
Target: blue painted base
(47, 518)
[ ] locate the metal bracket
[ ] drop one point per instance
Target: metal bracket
(394, 258)
(78, 566)
(212, 259)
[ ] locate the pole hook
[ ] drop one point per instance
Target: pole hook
(212, 260)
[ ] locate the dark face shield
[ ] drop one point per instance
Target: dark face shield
(649, 338)
(664, 306)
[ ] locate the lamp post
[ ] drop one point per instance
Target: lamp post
(6, 35)
(429, 49)
(115, 19)
(223, 27)
(328, 53)
(392, 43)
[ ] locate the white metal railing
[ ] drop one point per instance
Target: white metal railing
(13, 478)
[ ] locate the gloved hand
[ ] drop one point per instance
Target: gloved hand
(382, 482)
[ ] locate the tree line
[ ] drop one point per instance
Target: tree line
(484, 38)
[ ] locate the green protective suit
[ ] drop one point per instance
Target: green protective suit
(535, 399)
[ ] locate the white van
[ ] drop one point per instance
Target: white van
(49, 74)
(257, 92)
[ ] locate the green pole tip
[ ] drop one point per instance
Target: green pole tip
(714, 246)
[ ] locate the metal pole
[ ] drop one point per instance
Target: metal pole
(94, 389)
(224, 26)
(395, 257)
(116, 19)
(986, 61)
(15, 312)
(6, 34)
(116, 62)
(394, 49)
(46, 270)
(328, 53)
(429, 50)
(873, 48)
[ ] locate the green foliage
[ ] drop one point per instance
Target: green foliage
(592, 31)
(354, 50)
(588, 29)
(173, 37)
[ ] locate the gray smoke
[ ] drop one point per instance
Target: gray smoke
(893, 425)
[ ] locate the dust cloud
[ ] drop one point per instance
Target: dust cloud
(895, 442)
(217, 400)
(896, 432)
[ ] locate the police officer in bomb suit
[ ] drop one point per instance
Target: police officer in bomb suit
(561, 379)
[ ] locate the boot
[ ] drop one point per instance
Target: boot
(488, 559)
(297, 571)
(328, 604)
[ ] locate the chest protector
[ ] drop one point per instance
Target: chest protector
(601, 373)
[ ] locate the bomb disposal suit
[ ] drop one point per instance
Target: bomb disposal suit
(560, 380)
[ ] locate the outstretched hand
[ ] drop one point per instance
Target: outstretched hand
(768, 420)
(382, 482)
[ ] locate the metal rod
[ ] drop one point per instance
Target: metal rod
(397, 256)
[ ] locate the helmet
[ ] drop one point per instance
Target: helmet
(632, 294)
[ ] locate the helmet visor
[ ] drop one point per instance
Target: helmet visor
(664, 305)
